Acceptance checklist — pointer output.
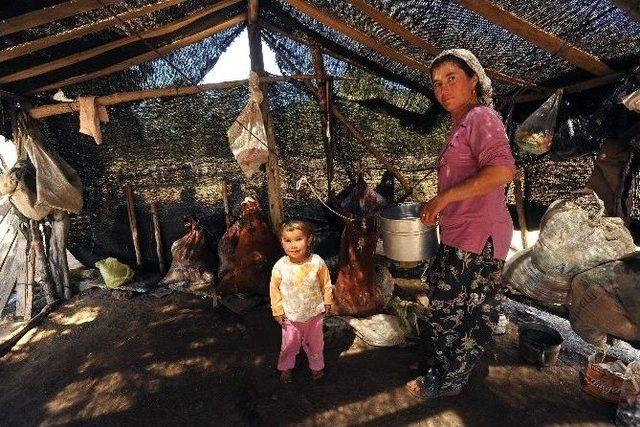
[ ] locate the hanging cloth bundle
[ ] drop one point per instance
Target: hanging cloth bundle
(41, 181)
(91, 115)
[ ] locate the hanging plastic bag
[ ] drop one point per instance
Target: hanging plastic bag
(247, 135)
(536, 133)
(573, 136)
(114, 273)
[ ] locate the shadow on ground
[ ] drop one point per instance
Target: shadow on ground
(177, 361)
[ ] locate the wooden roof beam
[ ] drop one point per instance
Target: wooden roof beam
(50, 14)
(386, 22)
(94, 27)
(530, 32)
(168, 92)
(575, 87)
(90, 53)
(164, 50)
(301, 40)
(357, 35)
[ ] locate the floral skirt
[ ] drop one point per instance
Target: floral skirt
(465, 299)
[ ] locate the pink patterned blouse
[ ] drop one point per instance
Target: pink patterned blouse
(478, 140)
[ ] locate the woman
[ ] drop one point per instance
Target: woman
(474, 166)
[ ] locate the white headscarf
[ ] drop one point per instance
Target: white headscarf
(471, 60)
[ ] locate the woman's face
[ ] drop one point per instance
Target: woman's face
(454, 90)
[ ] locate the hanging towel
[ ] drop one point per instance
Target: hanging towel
(91, 114)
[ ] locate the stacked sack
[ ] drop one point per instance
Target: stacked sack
(606, 301)
(574, 237)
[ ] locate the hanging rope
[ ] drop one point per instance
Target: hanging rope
(304, 180)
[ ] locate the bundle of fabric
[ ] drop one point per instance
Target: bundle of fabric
(41, 182)
(247, 250)
(192, 259)
(361, 289)
(606, 301)
(574, 237)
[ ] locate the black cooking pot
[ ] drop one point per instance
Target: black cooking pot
(539, 344)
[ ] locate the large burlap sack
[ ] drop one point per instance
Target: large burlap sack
(605, 301)
(574, 237)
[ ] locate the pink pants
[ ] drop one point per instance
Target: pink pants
(306, 334)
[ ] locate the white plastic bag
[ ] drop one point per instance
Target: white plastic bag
(247, 135)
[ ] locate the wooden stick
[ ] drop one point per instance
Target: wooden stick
(49, 14)
(148, 56)
(58, 254)
(325, 119)
(39, 265)
(158, 237)
(518, 181)
(122, 97)
(93, 27)
(75, 58)
(274, 184)
(133, 224)
(13, 339)
(225, 202)
(528, 31)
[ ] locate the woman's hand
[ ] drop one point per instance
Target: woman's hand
(430, 210)
(280, 319)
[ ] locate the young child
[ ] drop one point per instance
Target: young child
(301, 293)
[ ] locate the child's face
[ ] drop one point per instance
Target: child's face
(295, 244)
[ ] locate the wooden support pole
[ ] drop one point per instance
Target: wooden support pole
(257, 65)
(133, 224)
(158, 237)
(225, 203)
(323, 97)
(39, 265)
(122, 97)
(27, 302)
(57, 254)
(518, 182)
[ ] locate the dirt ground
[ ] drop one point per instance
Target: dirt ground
(175, 360)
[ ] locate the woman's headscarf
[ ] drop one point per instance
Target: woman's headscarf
(470, 59)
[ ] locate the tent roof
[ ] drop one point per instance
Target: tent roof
(532, 43)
